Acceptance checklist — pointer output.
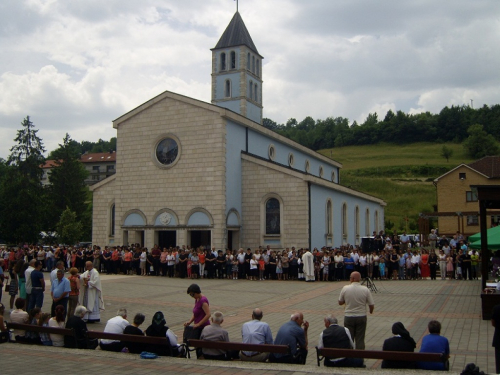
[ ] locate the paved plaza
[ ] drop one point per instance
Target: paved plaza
(456, 304)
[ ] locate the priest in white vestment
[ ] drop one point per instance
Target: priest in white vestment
(308, 260)
(91, 294)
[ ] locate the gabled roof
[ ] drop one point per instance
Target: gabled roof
(98, 157)
(458, 166)
(489, 166)
(236, 34)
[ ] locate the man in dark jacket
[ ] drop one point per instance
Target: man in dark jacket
(335, 336)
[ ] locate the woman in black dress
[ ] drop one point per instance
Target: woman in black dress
(433, 264)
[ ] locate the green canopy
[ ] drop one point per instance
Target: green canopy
(477, 236)
(493, 239)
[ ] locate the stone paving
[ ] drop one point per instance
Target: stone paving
(456, 304)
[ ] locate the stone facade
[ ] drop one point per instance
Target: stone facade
(261, 182)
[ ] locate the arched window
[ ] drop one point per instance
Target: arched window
(248, 61)
(273, 216)
(344, 220)
(257, 66)
(250, 88)
(356, 221)
(112, 220)
(255, 96)
(329, 218)
(233, 60)
(223, 61)
(227, 88)
(367, 222)
(253, 64)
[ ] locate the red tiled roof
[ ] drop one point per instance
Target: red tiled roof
(98, 157)
(489, 166)
(49, 164)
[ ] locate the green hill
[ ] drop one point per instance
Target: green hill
(401, 175)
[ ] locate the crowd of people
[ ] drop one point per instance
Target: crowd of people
(386, 258)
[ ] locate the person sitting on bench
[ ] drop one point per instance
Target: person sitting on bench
(214, 332)
(115, 325)
(335, 336)
(294, 334)
(400, 342)
(434, 343)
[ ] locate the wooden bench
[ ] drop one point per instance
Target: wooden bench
(40, 329)
(224, 345)
(150, 340)
(379, 354)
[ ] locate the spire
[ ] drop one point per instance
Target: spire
(236, 34)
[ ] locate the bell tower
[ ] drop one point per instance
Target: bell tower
(237, 72)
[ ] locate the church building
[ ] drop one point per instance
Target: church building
(194, 173)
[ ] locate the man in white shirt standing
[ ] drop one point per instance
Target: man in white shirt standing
(256, 332)
(355, 297)
(115, 325)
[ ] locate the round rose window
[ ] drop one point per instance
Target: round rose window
(167, 151)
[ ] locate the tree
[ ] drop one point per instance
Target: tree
(21, 192)
(67, 189)
(479, 143)
(69, 229)
(446, 153)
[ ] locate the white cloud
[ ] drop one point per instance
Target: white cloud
(80, 64)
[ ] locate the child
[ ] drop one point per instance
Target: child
(381, 266)
(449, 266)
(235, 268)
(262, 267)
(142, 262)
(253, 268)
(34, 319)
(44, 322)
(189, 265)
(279, 268)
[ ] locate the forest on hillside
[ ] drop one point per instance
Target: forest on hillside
(450, 125)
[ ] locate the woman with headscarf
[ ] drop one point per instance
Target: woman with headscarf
(159, 328)
(400, 342)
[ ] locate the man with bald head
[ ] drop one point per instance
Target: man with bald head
(294, 334)
(256, 332)
(355, 297)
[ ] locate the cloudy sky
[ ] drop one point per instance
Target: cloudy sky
(75, 65)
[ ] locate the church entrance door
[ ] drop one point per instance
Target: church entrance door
(167, 238)
(200, 238)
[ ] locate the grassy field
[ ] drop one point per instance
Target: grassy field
(400, 175)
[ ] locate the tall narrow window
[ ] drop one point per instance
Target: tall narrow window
(257, 66)
(329, 218)
(367, 222)
(250, 88)
(255, 96)
(227, 89)
(112, 221)
(248, 61)
(376, 221)
(356, 221)
(344, 220)
(253, 64)
(273, 216)
(223, 61)
(233, 60)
